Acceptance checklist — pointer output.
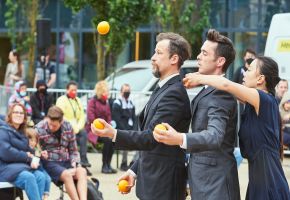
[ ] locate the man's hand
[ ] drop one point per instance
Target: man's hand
(131, 181)
(191, 80)
(30, 155)
(169, 137)
(108, 130)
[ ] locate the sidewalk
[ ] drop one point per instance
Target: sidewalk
(108, 182)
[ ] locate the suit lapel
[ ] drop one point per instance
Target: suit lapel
(158, 93)
(199, 96)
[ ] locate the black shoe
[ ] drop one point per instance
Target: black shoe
(85, 164)
(113, 171)
(124, 167)
(106, 169)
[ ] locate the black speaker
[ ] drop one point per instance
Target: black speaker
(43, 33)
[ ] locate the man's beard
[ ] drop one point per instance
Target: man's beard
(156, 72)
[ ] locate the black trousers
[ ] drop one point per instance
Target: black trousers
(82, 139)
(108, 150)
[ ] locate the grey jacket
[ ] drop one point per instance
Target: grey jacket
(212, 169)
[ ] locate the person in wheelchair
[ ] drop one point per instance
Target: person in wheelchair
(57, 138)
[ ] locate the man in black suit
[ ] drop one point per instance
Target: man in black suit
(212, 168)
(160, 170)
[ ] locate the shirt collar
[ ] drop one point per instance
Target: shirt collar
(162, 82)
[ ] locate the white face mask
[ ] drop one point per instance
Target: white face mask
(22, 94)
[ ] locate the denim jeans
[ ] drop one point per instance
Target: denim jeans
(33, 182)
(47, 182)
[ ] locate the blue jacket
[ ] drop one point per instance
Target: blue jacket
(13, 156)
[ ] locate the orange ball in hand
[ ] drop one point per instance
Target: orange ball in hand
(161, 127)
(98, 124)
(103, 27)
(122, 186)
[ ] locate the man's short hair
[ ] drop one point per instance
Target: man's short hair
(71, 83)
(55, 113)
(124, 85)
(225, 47)
(177, 45)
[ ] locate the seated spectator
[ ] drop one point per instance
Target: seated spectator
(16, 157)
(280, 89)
(20, 96)
(57, 138)
(40, 102)
(33, 144)
(285, 116)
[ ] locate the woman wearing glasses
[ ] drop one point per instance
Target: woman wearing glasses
(17, 163)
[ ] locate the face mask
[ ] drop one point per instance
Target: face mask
(23, 94)
(104, 97)
(42, 90)
(72, 94)
(249, 61)
(126, 95)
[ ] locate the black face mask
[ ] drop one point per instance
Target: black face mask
(249, 61)
(126, 95)
(42, 90)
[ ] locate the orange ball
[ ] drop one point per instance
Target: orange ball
(98, 124)
(122, 186)
(103, 27)
(161, 127)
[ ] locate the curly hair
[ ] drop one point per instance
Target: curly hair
(101, 88)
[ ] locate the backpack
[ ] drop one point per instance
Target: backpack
(93, 190)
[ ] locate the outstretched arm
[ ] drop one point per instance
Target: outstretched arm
(243, 93)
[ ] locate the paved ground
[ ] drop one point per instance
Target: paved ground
(109, 188)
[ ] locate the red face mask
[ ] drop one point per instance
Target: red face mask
(72, 94)
(105, 97)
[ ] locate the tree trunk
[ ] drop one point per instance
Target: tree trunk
(100, 58)
(32, 16)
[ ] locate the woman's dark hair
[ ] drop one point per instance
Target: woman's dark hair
(19, 64)
(269, 68)
(22, 127)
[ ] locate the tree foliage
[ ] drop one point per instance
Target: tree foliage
(20, 19)
(187, 17)
(124, 17)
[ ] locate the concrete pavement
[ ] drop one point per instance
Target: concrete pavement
(108, 183)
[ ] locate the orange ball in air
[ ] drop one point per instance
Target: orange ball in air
(160, 127)
(103, 27)
(122, 186)
(98, 124)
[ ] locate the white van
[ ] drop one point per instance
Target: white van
(278, 43)
(139, 76)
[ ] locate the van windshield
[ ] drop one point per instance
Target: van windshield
(136, 78)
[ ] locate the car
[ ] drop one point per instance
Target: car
(138, 75)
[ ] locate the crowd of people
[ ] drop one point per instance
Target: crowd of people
(32, 157)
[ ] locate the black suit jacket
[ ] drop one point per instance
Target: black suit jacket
(161, 173)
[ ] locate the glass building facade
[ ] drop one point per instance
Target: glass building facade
(246, 22)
